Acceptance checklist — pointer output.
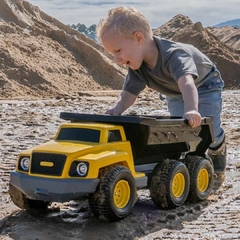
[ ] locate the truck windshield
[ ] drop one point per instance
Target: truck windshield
(79, 134)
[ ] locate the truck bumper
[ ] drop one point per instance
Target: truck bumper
(52, 190)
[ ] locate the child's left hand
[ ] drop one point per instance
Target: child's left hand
(194, 118)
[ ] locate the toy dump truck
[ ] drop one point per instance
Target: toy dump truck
(108, 158)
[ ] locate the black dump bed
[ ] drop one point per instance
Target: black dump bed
(167, 135)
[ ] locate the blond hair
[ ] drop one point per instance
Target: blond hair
(126, 21)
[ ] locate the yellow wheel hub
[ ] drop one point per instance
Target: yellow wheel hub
(121, 194)
(178, 185)
(203, 180)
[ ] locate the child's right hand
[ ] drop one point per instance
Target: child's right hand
(194, 118)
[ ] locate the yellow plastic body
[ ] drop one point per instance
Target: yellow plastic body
(98, 155)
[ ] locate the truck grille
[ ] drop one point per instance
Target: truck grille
(57, 161)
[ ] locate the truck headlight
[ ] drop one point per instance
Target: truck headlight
(24, 164)
(79, 169)
(82, 169)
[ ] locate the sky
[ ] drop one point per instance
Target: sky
(88, 12)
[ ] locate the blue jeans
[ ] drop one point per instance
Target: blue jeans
(210, 104)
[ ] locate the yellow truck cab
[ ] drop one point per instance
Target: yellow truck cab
(108, 158)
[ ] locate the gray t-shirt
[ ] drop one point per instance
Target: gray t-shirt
(175, 59)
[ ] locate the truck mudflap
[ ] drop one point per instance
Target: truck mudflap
(52, 190)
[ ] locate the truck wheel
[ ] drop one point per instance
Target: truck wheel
(115, 195)
(21, 201)
(93, 199)
(170, 184)
(201, 178)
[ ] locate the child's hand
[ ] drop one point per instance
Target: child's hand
(125, 100)
(194, 118)
(114, 111)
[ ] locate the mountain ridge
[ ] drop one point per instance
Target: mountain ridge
(231, 23)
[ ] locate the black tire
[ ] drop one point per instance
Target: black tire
(170, 184)
(116, 194)
(21, 201)
(93, 199)
(201, 178)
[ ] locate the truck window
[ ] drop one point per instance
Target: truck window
(114, 136)
(79, 134)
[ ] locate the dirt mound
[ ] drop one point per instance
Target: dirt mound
(170, 28)
(228, 35)
(180, 28)
(41, 57)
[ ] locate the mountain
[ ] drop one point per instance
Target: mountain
(232, 23)
(89, 32)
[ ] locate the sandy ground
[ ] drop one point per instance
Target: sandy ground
(28, 123)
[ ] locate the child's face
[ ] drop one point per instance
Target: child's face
(126, 51)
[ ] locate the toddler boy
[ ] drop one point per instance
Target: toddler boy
(188, 78)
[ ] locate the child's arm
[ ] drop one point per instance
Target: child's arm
(125, 100)
(190, 98)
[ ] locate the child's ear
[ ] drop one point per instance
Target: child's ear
(139, 37)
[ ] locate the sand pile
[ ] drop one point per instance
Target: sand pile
(41, 57)
(228, 35)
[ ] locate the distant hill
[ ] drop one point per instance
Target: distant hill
(89, 32)
(231, 23)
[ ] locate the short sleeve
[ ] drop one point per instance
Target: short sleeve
(181, 63)
(134, 82)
